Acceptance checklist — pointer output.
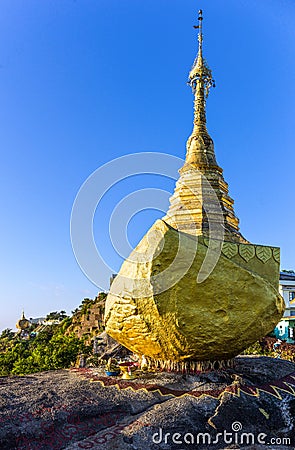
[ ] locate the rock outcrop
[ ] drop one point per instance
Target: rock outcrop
(88, 320)
(254, 403)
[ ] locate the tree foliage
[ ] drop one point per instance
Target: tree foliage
(52, 346)
(51, 349)
(56, 316)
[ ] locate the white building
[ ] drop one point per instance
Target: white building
(287, 291)
(285, 328)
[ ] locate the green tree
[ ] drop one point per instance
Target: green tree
(7, 334)
(52, 347)
(56, 315)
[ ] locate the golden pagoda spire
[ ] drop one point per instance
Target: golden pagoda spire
(200, 148)
(200, 79)
(201, 176)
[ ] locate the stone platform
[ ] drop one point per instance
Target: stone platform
(82, 408)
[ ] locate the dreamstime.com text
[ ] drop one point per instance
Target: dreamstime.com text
(235, 436)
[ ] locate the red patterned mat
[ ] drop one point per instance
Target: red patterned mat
(284, 384)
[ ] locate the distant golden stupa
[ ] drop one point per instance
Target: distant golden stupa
(23, 324)
(195, 293)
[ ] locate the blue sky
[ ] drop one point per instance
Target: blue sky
(83, 82)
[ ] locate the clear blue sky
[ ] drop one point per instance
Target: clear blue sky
(83, 82)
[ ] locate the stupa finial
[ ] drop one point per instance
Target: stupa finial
(200, 35)
(200, 147)
(200, 80)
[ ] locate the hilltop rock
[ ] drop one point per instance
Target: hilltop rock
(88, 319)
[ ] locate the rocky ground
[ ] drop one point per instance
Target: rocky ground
(83, 409)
